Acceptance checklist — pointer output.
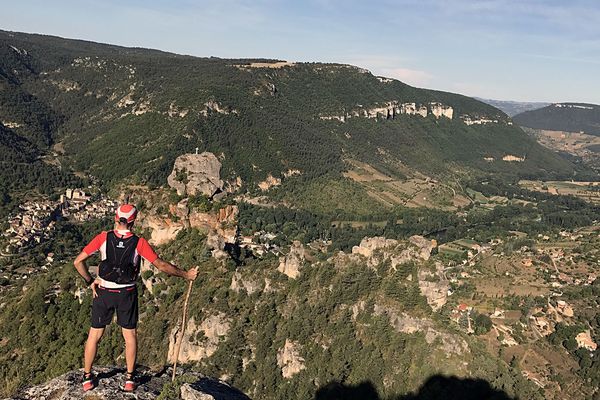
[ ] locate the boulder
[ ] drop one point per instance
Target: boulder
(196, 174)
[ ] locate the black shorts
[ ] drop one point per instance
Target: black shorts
(124, 300)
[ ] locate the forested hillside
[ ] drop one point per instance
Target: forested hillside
(121, 113)
(349, 229)
(567, 117)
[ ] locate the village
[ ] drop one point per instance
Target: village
(36, 219)
(525, 295)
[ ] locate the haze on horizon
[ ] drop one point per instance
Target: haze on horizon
(528, 50)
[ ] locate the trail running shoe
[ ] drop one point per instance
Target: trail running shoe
(88, 381)
(130, 383)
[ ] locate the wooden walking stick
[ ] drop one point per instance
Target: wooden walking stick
(183, 325)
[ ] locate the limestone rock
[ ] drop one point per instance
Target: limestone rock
(195, 174)
(404, 323)
(291, 263)
(269, 183)
(163, 229)
(238, 283)
(180, 210)
(368, 245)
(378, 249)
(434, 286)
(289, 359)
(425, 246)
(214, 241)
(221, 227)
(68, 387)
(227, 223)
(210, 389)
(214, 328)
(203, 221)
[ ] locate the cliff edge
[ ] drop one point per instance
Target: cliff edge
(151, 385)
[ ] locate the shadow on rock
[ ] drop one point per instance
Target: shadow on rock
(437, 387)
(217, 389)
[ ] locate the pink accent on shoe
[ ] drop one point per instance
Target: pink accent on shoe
(88, 385)
(129, 386)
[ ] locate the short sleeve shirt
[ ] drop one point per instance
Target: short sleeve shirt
(143, 248)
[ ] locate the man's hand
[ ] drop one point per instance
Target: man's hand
(171, 269)
(93, 286)
(192, 274)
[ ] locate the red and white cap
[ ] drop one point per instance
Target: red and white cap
(126, 212)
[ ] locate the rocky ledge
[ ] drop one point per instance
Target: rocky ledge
(68, 387)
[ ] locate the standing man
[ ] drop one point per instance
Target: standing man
(115, 288)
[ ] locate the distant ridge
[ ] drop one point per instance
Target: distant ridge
(568, 117)
(512, 108)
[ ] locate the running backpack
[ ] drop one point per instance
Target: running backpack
(121, 264)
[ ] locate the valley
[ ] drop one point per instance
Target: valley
(349, 228)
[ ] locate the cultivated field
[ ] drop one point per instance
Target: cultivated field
(589, 191)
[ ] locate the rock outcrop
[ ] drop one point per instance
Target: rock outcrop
(289, 359)
(269, 182)
(392, 109)
(68, 387)
(379, 249)
(214, 328)
(220, 226)
(163, 230)
(196, 174)
(238, 283)
(434, 286)
(404, 323)
(291, 263)
(368, 246)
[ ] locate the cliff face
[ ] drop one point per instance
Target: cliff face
(195, 174)
(214, 329)
(68, 387)
(221, 226)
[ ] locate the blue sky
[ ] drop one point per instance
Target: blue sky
(529, 50)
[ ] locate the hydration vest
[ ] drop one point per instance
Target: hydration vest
(121, 264)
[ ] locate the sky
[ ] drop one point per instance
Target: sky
(523, 50)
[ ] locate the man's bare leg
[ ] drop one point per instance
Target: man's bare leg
(91, 347)
(130, 336)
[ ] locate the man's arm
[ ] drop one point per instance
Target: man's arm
(82, 268)
(171, 269)
(85, 274)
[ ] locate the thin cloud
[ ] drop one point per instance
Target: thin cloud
(413, 77)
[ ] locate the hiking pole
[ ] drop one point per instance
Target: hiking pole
(183, 325)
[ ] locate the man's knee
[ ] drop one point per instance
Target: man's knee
(130, 335)
(95, 334)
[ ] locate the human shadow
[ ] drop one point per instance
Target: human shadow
(218, 390)
(437, 387)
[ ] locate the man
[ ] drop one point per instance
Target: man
(115, 288)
